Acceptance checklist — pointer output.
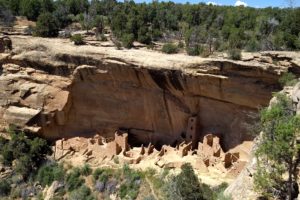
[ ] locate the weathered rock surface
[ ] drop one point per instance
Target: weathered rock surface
(79, 91)
(243, 186)
(50, 191)
(19, 116)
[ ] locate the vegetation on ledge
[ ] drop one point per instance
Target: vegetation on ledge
(33, 172)
(201, 26)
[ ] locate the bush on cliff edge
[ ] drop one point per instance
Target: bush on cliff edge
(46, 25)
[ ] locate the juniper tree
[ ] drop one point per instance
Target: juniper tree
(47, 25)
(6, 16)
(278, 151)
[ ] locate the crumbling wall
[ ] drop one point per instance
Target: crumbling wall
(209, 157)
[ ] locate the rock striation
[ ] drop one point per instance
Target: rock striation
(58, 90)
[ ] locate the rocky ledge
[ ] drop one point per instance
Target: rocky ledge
(57, 90)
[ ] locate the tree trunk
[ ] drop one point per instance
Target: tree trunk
(290, 181)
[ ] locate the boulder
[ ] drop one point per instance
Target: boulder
(19, 115)
(284, 63)
(266, 59)
(5, 44)
(49, 192)
(242, 187)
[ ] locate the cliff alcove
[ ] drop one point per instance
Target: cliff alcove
(67, 92)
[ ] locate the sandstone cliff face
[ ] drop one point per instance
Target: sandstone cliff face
(243, 185)
(58, 90)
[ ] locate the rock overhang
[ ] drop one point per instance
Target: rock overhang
(89, 89)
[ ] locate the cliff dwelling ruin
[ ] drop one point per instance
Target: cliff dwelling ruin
(101, 103)
(207, 157)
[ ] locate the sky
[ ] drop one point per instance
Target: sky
(252, 3)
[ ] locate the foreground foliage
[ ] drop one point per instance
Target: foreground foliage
(184, 186)
(49, 173)
(26, 153)
(278, 150)
(187, 186)
(23, 155)
(32, 172)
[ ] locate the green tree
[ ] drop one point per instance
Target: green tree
(252, 45)
(7, 155)
(144, 36)
(169, 48)
(184, 186)
(118, 21)
(47, 6)
(235, 54)
(24, 165)
(77, 6)
(129, 188)
(12, 5)
(104, 7)
(278, 150)
(30, 8)
(74, 180)
(82, 193)
(49, 173)
(28, 153)
(6, 14)
(196, 50)
(4, 188)
(77, 39)
(86, 21)
(99, 23)
(46, 26)
(127, 40)
(62, 14)
(213, 27)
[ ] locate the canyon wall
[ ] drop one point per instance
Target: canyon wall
(243, 186)
(64, 91)
(156, 104)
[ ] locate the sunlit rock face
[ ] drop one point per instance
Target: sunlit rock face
(243, 186)
(52, 88)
